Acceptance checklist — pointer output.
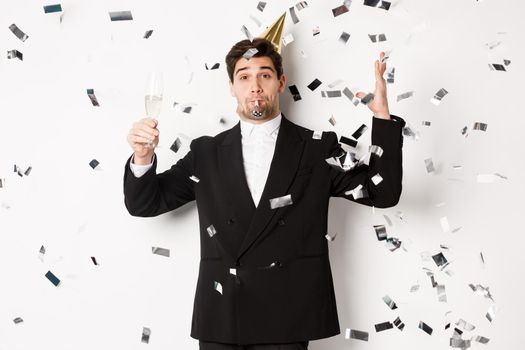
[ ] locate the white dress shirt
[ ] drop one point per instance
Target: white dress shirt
(258, 146)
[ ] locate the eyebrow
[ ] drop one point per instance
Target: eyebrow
(260, 68)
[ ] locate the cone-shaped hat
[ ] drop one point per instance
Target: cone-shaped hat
(274, 32)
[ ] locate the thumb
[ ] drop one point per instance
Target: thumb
(360, 94)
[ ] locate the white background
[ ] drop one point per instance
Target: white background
(75, 212)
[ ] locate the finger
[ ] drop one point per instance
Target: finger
(148, 129)
(149, 134)
(360, 94)
(135, 139)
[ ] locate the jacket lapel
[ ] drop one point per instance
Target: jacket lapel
(287, 155)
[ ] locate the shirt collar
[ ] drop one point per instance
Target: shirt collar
(268, 127)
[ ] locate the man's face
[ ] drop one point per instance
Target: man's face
(255, 81)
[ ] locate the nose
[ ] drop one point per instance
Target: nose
(256, 87)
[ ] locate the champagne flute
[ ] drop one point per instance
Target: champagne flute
(153, 98)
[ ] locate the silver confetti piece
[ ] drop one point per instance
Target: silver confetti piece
(295, 19)
(146, 332)
(94, 261)
(367, 99)
(261, 5)
(211, 230)
(385, 5)
(497, 67)
(427, 329)
(250, 53)
(385, 58)
(52, 278)
(18, 320)
(399, 324)
(339, 10)
(375, 38)
(194, 178)
(316, 31)
(147, 34)
(344, 38)
(15, 54)
(217, 286)
(360, 131)
(301, 5)
(356, 193)
(355, 334)
(288, 39)
(409, 132)
(414, 288)
(331, 93)
(377, 179)
(405, 95)
(389, 302)
(438, 96)
(491, 313)
(94, 164)
(233, 271)
(480, 126)
(442, 296)
(92, 97)
(2, 181)
(383, 326)
(390, 75)
(481, 339)
(335, 83)
(439, 259)
(459, 343)
(375, 149)
(120, 16)
(330, 238)
(52, 8)
(429, 165)
(317, 135)
(393, 243)
(28, 171)
(176, 145)
(18, 32)
(248, 35)
(425, 123)
(161, 251)
(380, 232)
(387, 219)
(332, 120)
(281, 201)
(478, 289)
(465, 325)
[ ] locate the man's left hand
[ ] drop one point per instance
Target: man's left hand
(379, 105)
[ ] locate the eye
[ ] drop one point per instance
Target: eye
(266, 75)
(242, 77)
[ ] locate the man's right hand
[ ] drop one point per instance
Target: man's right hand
(143, 138)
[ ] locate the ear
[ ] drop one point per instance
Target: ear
(282, 83)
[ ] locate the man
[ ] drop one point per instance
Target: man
(262, 190)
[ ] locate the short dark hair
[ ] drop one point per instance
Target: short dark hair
(265, 49)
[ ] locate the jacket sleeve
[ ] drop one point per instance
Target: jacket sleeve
(388, 135)
(153, 194)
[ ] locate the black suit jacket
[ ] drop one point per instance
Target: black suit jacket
(281, 289)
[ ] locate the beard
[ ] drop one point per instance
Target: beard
(265, 111)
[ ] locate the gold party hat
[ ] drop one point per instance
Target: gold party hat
(274, 32)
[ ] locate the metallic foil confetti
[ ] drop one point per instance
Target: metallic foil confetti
(375, 149)
(375, 38)
(339, 10)
(288, 39)
(442, 296)
(377, 179)
(161, 251)
(409, 132)
(217, 286)
(28, 171)
(425, 327)
(359, 335)
(295, 19)
(215, 66)
(120, 16)
(233, 271)
(247, 33)
(332, 120)
(146, 332)
(250, 53)
(465, 325)
(405, 95)
(261, 5)
(429, 165)
(148, 34)
(15, 53)
(438, 96)
(425, 123)
(368, 98)
(317, 135)
(390, 75)
(480, 126)
(478, 289)
(52, 8)
(2, 181)
(331, 93)
(459, 343)
(439, 259)
(445, 226)
(481, 339)
(392, 243)
(497, 67)
(385, 5)
(42, 250)
(18, 320)
(389, 302)
(314, 84)
(335, 83)
(18, 32)
(383, 326)
(94, 261)
(348, 141)
(194, 178)
(301, 5)
(316, 31)
(176, 145)
(387, 219)
(399, 324)
(330, 238)
(281, 201)
(94, 163)
(211, 230)
(344, 38)
(52, 278)
(182, 108)
(360, 131)
(384, 59)
(491, 313)
(92, 97)
(357, 192)
(351, 96)
(464, 131)
(295, 93)
(380, 232)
